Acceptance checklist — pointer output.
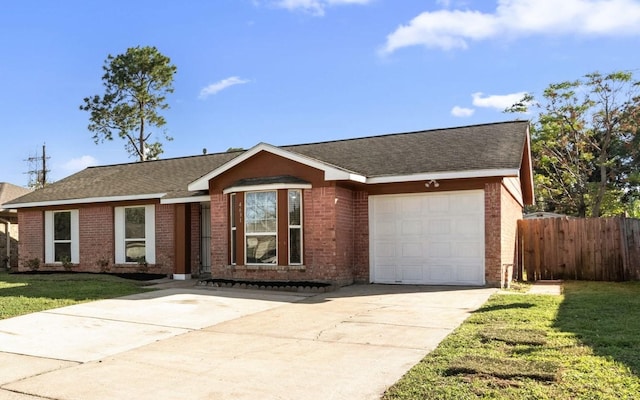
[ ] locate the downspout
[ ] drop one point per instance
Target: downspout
(7, 229)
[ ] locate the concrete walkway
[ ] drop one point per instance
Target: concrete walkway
(197, 343)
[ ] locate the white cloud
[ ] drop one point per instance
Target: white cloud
(498, 101)
(451, 29)
(314, 7)
(462, 112)
(221, 85)
(78, 164)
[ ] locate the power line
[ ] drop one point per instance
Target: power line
(38, 169)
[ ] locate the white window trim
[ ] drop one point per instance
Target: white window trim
(150, 234)
(49, 228)
(233, 230)
(244, 239)
(289, 226)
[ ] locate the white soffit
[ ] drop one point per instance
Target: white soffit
(267, 186)
(480, 173)
(180, 200)
(89, 200)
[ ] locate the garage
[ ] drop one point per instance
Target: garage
(427, 238)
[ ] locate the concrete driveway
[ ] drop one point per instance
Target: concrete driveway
(204, 343)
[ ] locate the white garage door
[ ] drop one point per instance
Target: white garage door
(433, 238)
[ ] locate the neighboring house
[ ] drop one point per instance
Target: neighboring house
(430, 207)
(9, 225)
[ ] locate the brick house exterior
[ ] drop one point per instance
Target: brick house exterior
(312, 212)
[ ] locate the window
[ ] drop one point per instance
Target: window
(265, 227)
(295, 227)
(61, 237)
(261, 225)
(135, 234)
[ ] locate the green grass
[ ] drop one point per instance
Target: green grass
(582, 345)
(26, 293)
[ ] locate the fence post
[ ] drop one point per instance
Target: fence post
(624, 247)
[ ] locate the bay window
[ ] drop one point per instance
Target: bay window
(265, 227)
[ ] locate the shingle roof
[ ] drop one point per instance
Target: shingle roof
(477, 147)
(146, 178)
(9, 192)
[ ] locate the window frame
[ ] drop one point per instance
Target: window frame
(233, 230)
(273, 234)
(296, 227)
(50, 241)
(237, 204)
(121, 239)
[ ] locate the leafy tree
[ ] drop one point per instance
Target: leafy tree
(584, 144)
(136, 84)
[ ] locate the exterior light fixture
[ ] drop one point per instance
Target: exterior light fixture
(432, 182)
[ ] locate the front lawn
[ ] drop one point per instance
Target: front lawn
(582, 345)
(27, 293)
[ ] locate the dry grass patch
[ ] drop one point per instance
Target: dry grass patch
(486, 366)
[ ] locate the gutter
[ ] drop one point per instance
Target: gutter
(7, 227)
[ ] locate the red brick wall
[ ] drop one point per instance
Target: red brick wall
(219, 233)
(511, 212)
(492, 233)
(96, 238)
(96, 227)
(328, 251)
(31, 244)
(344, 228)
(502, 212)
(361, 237)
(165, 239)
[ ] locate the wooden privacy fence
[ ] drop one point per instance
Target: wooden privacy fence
(597, 249)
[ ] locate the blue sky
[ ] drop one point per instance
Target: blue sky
(293, 71)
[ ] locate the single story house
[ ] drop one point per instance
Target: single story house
(9, 224)
(429, 207)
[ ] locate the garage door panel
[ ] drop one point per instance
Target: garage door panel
(410, 206)
(435, 203)
(440, 274)
(439, 249)
(385, 250)
(439, 226)
(468, 273)
(412, 250)
(411, 227)
(428, 238)
(386, 227)
(412, 273)
(386, 272)
(469, 250)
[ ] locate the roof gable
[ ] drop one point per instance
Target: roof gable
(330, 172)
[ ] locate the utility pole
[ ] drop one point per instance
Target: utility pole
(38, 169)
